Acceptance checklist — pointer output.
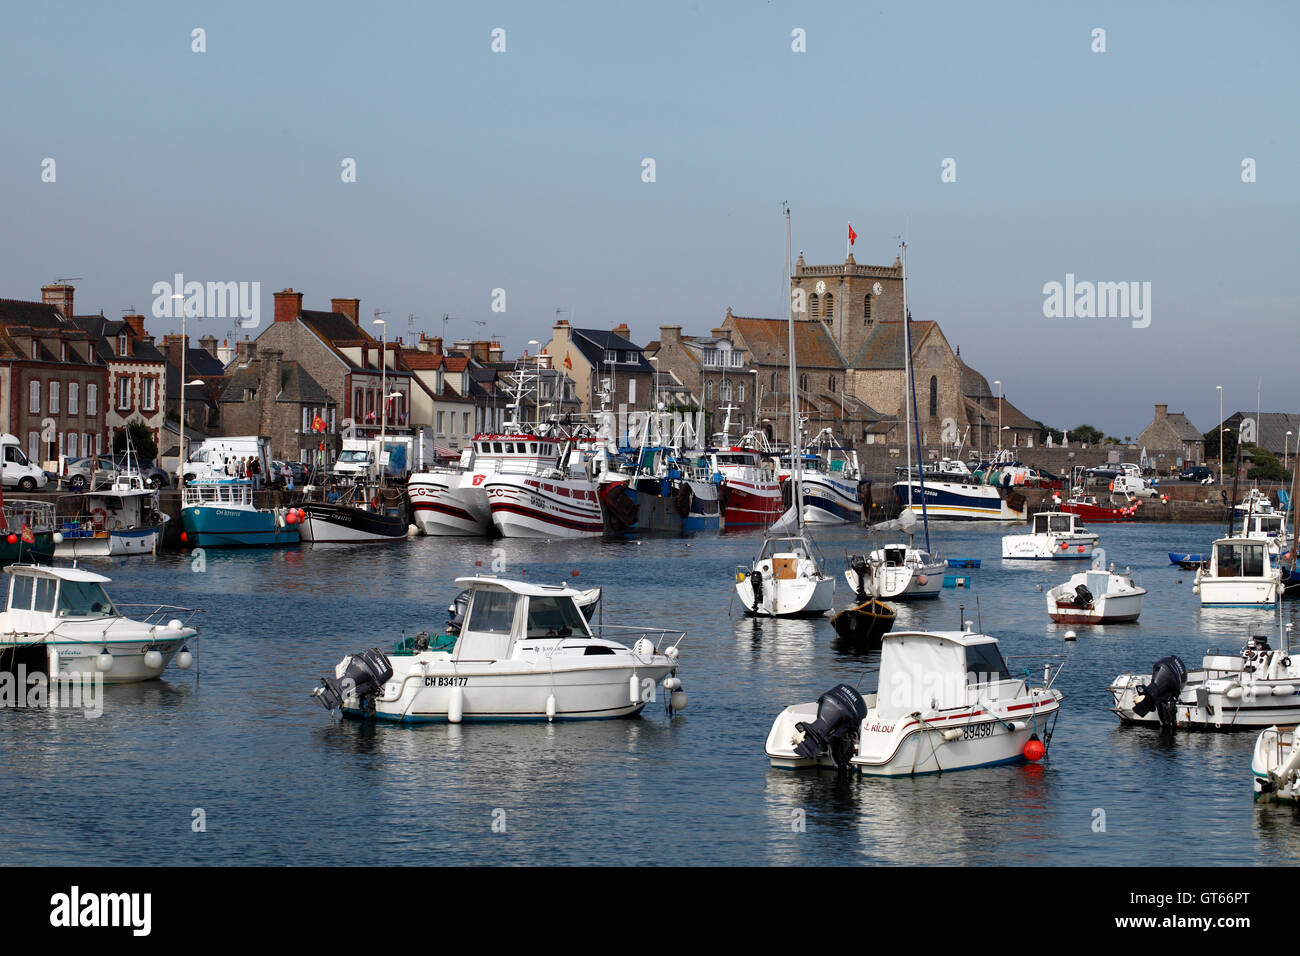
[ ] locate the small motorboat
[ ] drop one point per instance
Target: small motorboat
(1189, 560)
(523, 652)
(963, 562)
(899, 572)
(1055, 536)
(864, 623)
(786, 580)
(59, 621)
(124, 519)
(1276, 766)
(1243, 572)
(946, 701)
(1088, 508)
(1246, 691)
(1097, 596)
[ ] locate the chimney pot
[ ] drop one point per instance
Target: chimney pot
(288, 305)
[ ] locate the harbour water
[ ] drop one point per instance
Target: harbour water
(241, 748)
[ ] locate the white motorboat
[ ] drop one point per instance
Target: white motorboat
(123, 519)
(1252, 689)
(1243, 572)
(897, 572)
(524, 652)
(786, 580)
(946, 701)
(60, 622)
(1097, 596)
(1275, 765)
(1259, 519)
(1056, 536)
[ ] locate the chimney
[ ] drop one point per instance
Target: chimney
(269, 386)
(480, 351)
(495, 352)
(1162, 412)
(349, 307)
(59, 295)
(721, 333)
(669, 335)
(172, 346)
(245, 351)
(621, 329)
(435, 345)
(288, 305)
(135, 323)
(209, 344)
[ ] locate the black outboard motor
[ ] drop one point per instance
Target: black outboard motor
(364, 674)
(1168, 675)
(859, 565)
(840, 711)
(1082, 596)
(456, 612)
(756, 582)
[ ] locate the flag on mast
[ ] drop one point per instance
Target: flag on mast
(853, 236)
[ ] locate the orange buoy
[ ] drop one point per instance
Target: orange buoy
(1034, 749)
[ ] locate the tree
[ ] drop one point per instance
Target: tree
(1266, 466)
(141, 440)
(1086, 433)
(1229, 445)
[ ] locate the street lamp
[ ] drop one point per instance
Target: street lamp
(758, 388)
(1286, 446)
(383, 390)
(999, 385)
(180, 465)
(1220, 388)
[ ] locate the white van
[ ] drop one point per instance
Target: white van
(217, 457)
(15, 470)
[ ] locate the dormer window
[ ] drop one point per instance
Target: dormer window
(122, 344)
(63, 351)
(36, 349)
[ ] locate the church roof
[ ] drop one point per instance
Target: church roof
(883, 348)
(768, 341)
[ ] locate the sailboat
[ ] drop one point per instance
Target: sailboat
(787, 578)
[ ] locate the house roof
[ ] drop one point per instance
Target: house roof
(594, 343)
(973, 384)
(296, 386)
(1273, 427)
(768, 342)
(1011, 416)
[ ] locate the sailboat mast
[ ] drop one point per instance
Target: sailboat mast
(916, 417)
(796, 488)
(907, 383)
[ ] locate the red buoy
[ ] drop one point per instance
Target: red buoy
(184, 536)
(12, 539)
(291, 517)
(1034, 749)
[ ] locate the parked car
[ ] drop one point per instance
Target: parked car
(90, 473)
(154, 476)
(1200, 473)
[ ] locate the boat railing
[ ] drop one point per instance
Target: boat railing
(37, 515)
(658, 635)
(158, 614)
(1050, 673)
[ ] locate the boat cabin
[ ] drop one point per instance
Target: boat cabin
(1263, 525)
(785, 553)
(923, 672)
(231, 492)
(1057, 522)
(1240, 558)
(501, 613)
(39, 597)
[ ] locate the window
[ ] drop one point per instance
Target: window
(74, 397)
(63, 351)
(72, 445)
(440, 415)
(493, 612)
(34, 397)
(934, 396)
(831, 383)
(554, 617)
(985, 664)
(20, 595)
(724, 390)
(83, 599)
(61, 451)
(45, 590)
(306, 420)
(123, 392)
(122, 344)
(631, 391)
(464, 423)
(803, 383)
(740, 392)
(149, 390)
(34, 446)
(814, 305)
(611, 356)
(92, 399)
(85, 442)
(708, 391)
(54, 397)
(828, 309)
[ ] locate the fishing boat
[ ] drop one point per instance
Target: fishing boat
(60, 622)
(1097, 596)
(788, 579)
(1252, 689)
(353, 518)
(554, 500)
(1055, 536)
(750, 491)
(1243, 572)
(658, 485)
(1275, 765)
(946, 701)
(27, 531)
(1189, 560)
(956, 495)
(220, 513)
(864, 623)
(123, 519)
(524, 652)
(1090, 510)
(897, 571)
(832, 485)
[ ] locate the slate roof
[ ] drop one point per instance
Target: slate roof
(296, 386)
(594, 343)
(1273, 427)
(883, 348)
(973, 384)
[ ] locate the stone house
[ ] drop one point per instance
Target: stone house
(267, 394)
(1171, 440)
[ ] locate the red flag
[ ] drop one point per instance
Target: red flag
(29, 536)
(318, 424)
(568, 362)
(853, 236)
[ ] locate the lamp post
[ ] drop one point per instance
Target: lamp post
(1220, 388)
(180, 465)
(758, 391)
(1286, 450)
(999, 385)
(383, 390)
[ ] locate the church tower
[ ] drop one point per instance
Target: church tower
(849, 299)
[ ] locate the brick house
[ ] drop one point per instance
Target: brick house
(269, 395)
(50, 375)
(590, 357)
(137, 374)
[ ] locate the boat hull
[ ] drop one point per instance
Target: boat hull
(899, 583)
(957, 501)
(529, 507)
(449, 504)
(214, 526)
(830, 501)
(77, 659)
(1048, 547)
(110, 544)
(41, 551)
(1222, 706)
(660, 509)
(749, 504)
(798, 597)
(343, 524)
(1237, 592)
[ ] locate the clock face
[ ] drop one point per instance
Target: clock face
(877, 289)
(821, 287)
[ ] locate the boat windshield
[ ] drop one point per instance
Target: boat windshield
(84, 599)
(796, 546)
(1051, 522)
(1240, 559)
(554, 617)
(354, 457)
(984, 664)
(493, 612)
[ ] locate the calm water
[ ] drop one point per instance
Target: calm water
(281, 781)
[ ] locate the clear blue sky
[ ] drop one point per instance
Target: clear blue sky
(522, 170)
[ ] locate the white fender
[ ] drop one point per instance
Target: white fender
(634, 689)
(456, 705)
(550, 707)
(52, 657)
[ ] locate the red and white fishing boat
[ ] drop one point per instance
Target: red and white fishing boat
(750, 493)
(454, 501)
(1090, 509)
(554, 498)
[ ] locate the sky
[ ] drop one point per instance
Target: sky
(524, 171)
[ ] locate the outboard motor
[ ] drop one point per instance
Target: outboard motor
(840, 711)
(756, 582)
(1168, 675)
(1082, 596)
(362, 674)
(456, 612)
(859, 565)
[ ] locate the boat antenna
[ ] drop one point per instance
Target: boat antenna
(979, 619)
(916, 423)
(796, 475)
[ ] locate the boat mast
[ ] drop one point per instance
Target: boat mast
(796, 496)
(915, 415)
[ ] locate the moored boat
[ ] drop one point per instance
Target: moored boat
(1275, 765)
(124, 519)
(1096, 596)
(896, 571)
(1054, 536)
(523, 652)
(220, 513)
(1242, 572)
(865, 622)
(27, 531)
(1089, 509)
